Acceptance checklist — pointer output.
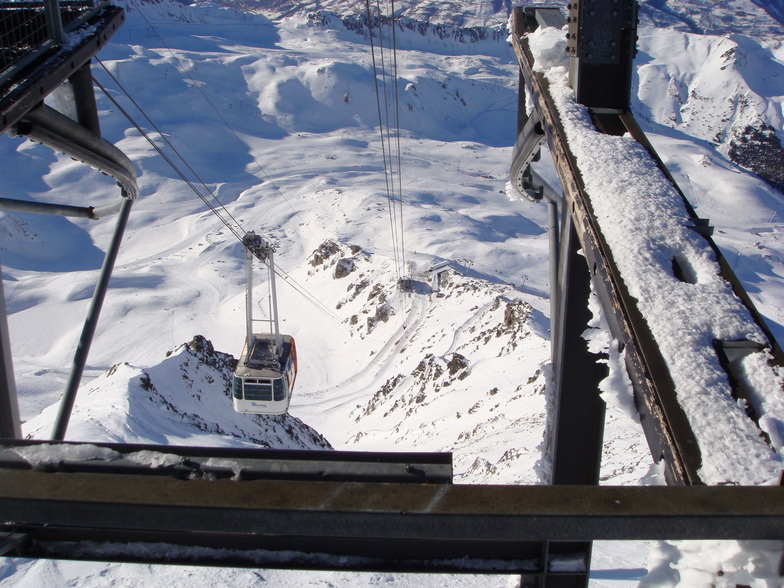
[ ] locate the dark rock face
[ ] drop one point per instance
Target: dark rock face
(344, 267)
(326, 250)
(358, 23)
(759, 150)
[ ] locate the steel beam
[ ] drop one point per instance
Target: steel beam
(96, 509)
(54, 21)
(218, 463)
(91, 324)
(602, 43)
(84, 98)
(578, 427)
(47, 126)
(32, 207)
(663, 421)
(397, 526)
(21, 92)
(213, 506)
(579, 409)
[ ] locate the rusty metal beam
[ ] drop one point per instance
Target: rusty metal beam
(414, 511)
(667, 430)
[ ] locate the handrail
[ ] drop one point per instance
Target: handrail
(47, 126)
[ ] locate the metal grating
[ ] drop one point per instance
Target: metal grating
(26, 26)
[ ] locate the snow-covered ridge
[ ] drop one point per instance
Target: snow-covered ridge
(463, 373)
(757, 18)
(189, 13)
(751, 17)
(411, 33)
(722, 90)
(479, 13)
(421, 35)
(183, 400)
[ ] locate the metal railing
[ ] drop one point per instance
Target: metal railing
(30, 28)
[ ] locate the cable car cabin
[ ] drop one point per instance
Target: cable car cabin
(264, 379)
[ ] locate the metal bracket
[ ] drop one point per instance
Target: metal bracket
(527, 150)
(602, 43)
(257, 246)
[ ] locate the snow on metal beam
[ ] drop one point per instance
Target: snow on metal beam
(636, 231)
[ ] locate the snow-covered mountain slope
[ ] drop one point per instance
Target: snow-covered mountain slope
(756, 18)
(322, 177)
(183, 400)
(462, 374)
(723, 90)
(301, 162)
(750, 17)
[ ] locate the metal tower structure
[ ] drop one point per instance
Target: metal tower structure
(47, 46)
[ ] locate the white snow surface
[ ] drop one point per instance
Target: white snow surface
(301, 163)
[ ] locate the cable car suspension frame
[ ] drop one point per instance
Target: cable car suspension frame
(267, 369)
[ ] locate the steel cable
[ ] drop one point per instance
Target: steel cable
(237, 231)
